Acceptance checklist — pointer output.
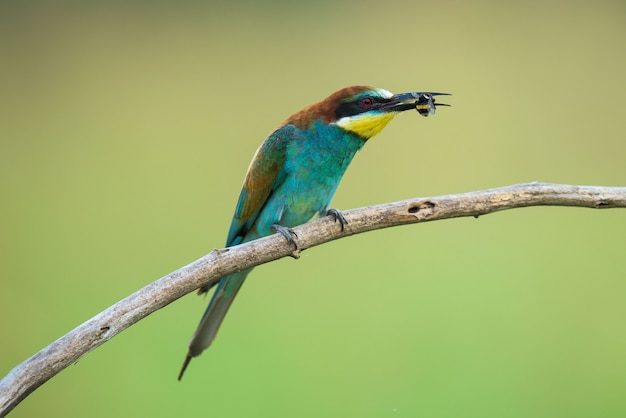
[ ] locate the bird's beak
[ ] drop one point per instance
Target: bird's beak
(424, 103)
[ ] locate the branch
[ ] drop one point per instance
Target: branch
(35, 371)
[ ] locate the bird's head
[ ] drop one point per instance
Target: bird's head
(364, 110)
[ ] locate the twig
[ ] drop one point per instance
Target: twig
(35, 371)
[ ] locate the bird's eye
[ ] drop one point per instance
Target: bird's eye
(367, 101)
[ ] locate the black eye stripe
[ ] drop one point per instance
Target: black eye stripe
(355, 107)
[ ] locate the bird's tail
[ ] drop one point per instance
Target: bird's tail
(221, 300)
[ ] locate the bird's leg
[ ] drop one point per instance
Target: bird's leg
(337, 216)
(289, 234)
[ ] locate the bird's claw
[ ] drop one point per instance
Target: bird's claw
(337, 216)
(290, 236)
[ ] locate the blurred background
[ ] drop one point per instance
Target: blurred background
(126, 130)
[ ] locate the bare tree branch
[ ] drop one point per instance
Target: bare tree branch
(35, 371)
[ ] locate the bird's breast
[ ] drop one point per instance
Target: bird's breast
(315, 165)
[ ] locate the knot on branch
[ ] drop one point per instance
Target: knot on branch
(101, 333)
(423, 209)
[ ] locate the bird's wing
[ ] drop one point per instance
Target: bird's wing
(266, 173)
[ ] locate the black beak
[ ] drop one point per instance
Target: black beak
(424, 103)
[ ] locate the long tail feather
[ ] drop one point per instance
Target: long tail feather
(210, 323)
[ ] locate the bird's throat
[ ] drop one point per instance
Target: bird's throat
(366, 125)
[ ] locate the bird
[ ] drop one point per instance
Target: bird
(293, 177)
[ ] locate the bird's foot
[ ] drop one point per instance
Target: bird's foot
(290, 235)
(337, 216)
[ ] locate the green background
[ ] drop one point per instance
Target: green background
(126, 130)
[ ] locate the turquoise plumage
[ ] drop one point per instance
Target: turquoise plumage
(294, 174)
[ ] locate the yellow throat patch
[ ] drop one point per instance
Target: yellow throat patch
(366, 125)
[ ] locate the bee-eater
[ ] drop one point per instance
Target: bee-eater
(294, 174)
